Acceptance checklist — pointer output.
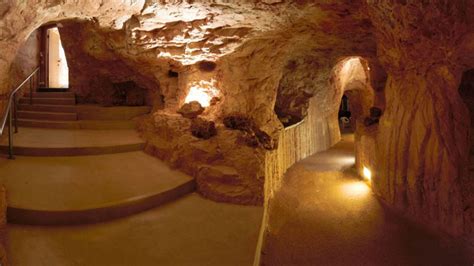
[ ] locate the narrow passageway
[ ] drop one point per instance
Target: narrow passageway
(325, 215)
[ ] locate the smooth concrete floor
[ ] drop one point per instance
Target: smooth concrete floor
(325, 215)
(189, 231)
(84, 182)
(57, 138)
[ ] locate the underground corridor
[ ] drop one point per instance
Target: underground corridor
(267, 132)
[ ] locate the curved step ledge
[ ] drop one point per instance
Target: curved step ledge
(47, 108)
(103, 213)
(58, 101)
(78, 124)
(73, 151)
(50, 95)
(88, 189)
(60, 142)
(54, 116)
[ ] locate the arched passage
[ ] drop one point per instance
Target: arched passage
(352, 77)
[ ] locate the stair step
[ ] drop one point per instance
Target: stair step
(55, 116)
(53, 101)
(51, 95)
(52, 89)
(51, 190)
(107, 124)
(47, 108)
(72, 151)
(65, 142)
(96, 112)
(79, 124)
(102, 213)
(48, 124)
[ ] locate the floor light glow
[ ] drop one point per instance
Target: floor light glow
(347, 160)
(355, 189)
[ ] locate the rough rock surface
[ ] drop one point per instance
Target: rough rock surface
(422, 139)
(295, 89)
(252, 135)
(96, 65)
(191, 109)
(23, 65)
(169, 137)
(202, 128)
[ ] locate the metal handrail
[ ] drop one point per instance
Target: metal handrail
(9, 113)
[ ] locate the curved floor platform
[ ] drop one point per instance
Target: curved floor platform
(63, 142)
(87, 189)
(189, 231)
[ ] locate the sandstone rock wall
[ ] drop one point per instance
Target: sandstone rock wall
(365, 150)
(422, 143)
(224, 169)
(96, 67)
(23, 65)
(27, 59)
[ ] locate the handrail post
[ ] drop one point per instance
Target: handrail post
(31, 92)
(37, 79)
(10, 135)
(11, 115)
(15, 114)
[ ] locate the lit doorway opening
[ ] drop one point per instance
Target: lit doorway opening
(58, 71)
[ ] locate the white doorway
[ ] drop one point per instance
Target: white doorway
(57, 65)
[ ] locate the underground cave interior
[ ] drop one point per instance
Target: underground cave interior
(296, 129)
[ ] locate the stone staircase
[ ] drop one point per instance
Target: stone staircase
(59, 110)
(82, 164)
(47, 109)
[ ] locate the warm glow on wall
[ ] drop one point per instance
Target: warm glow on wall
(202, 92)
(367, 173)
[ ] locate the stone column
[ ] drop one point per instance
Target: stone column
(423, 146)
(422, 142)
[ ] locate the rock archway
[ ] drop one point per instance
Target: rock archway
(352, 77)
(355, 77)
